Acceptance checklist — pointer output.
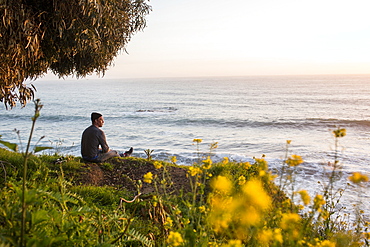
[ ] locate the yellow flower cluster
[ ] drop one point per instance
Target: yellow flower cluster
(318, 201)
(339, 133)
(326, 243)
(305, 197)
(255, 194)
(247, 165)
(262, 163)
(157, 165)
(174, 239)
(221, 184)
(148, 177)
(202, 209)
(213, 145)
(173, 159)
(241, 180)
(168, 223)
(195, 171)
(239, 210)
(155, 201)
(290, 221)
(207, 163)
(294, 160)
(267, 235)
(233, 243)
(197, 140)
(358, 178)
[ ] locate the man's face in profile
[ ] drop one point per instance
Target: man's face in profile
(100, 121)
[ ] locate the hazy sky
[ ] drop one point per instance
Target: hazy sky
(249, 37)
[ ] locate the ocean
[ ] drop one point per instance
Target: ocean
(248, 117)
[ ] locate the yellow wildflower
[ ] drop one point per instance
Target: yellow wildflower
(288, 141)
(305, 197)
(339, 133)
(262, 163)
(148, 177)
(289, 221)
(194, 171)
(185, 221)
(168, 223)
(222, 184)
(318, 201)
(197, 140)
(250, 216)
(241, 180)
(174, 239)
(366, 235)
(207, 163)
(225, 160)
(256, 195)
(358, 178)
(157, 165)
(294, 160)
(233, 243)
(202, 209)
(212, 244)
(213, 145)
(155, 201)
(173, 159)
(278, 237)
(326, 243)
(265, 236)
(221, 214)
(247, 165)
(325, 214)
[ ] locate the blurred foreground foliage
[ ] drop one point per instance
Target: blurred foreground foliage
(229, 204)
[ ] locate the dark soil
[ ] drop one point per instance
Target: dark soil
(124, 173)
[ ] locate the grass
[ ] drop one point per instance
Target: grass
(228, 204)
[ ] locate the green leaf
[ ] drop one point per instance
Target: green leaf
(38, 149)
(9, 145)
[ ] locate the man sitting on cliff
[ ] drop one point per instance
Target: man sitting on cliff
(94, 147)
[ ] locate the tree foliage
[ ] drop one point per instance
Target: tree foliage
(67, 37)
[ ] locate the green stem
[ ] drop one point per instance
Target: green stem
(24, 184)
(281, 185)
(38, 106)
(129, 220)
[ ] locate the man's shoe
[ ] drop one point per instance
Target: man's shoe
(128, 153)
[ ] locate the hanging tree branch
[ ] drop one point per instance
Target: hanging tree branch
(67, 37)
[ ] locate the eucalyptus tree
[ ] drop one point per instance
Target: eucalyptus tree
(66, 37)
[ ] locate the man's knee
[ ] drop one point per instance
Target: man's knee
(110, 154)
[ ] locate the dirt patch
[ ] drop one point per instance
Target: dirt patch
(124, 173)
(92, 174)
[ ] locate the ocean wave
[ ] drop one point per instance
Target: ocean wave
(157, 110)
(45, 117)
(340, 122)
(17, 117)
(308, 123)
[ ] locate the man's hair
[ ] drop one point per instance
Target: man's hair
(94, 116)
